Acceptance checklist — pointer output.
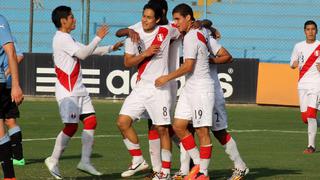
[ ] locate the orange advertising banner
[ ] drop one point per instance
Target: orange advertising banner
(277, 85)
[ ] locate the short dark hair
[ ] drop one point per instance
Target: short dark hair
(60, 12)
(164, 6)
(155, 8)
(310, 22)
(184, 10)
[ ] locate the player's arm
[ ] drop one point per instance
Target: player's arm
(102, 50)
(131, 60)
(85, 51)
(223, 56)
(184, 69)
(294, 63)
(318, 66)
(16, 92)
(133, 35)
(19, 56)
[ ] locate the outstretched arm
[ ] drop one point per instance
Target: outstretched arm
(134, 36)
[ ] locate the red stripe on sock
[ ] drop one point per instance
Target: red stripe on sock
(135, 152)
(166, 164)
(188, 142)
(226, 139)
(205, 152)
(153, 134)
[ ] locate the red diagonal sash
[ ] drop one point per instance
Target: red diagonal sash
(160, 37)
(310, 61)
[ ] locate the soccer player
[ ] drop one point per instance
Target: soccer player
(14, 130)
(150, 54)
(305, 57)
(197, 97)
(72, 97)
(219, 55)
(7, 101)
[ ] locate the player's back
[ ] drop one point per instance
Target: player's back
(195, 47)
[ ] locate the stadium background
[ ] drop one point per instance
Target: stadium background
(251, 29)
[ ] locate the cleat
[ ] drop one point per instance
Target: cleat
(161, 176)
(193, 173)
(150, 176)
(88, 168)
(201, 176)
(309, 150)
(135, 168)
(53, 168)
(178, 176)
(239, 174)
(20, 162)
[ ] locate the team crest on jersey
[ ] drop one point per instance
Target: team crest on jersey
(316, 53)
(160, 37)
(73, 115)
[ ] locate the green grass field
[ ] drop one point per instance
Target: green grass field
(270, 140)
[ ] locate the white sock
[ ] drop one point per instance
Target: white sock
(166, 161)
(232, 150)
(60, 144)
(87, 143)
(312, 132)
(184, 160)
(136, 159)
(155, 154)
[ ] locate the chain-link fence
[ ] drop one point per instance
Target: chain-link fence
(266, 30)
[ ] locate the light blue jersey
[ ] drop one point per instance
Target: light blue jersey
(5, 37)
(6, 65)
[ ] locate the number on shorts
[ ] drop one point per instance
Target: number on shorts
(165, 111)
(217, 119)
(198, 114)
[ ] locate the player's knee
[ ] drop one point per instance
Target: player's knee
(311, 113)
(178, 129)
(10, 123)
(163, 130)
(202, 132)
(70, 129)
(90, 122)
(123, 123)
(223, 136)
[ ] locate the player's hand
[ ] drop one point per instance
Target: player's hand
(295, 64)
(153, 49)
(117, 45)
(318, 66)
(102, 31)
(16, 95)
(160, 81)
(134, 36)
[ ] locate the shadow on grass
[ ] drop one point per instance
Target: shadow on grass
(254, 173)
(41, 160)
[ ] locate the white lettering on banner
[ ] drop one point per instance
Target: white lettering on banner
(225, 85)
(124, 75)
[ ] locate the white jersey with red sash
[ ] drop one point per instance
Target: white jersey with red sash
(307, 56)
(67, 67)
(157, 65)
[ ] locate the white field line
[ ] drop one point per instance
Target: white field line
(142, 135)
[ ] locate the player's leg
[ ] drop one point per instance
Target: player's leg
(308, 104)
(69, 112)
(132, 109)
(89, 120)
(14, 131)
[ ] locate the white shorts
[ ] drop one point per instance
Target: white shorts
(220, 120)
(72, 107)
(309, 98)
(156, 101)
(196, 106)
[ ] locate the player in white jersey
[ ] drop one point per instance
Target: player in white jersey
(305, 57)
(151, 57)
(73, 99)
(196, 100)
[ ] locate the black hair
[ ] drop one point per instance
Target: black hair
(60, 12)
(310, 22)
(164, 6)
(156, 9)
(184, 10)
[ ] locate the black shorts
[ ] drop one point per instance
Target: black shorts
(8, 109)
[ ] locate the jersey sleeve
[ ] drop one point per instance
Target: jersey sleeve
(5, 32)
(130, 47)
(69, 45)
(174, 32)
(294, 55)
(213, 46)
(190, 46)
(136, 25)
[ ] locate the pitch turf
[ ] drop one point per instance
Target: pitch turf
(270, 140)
